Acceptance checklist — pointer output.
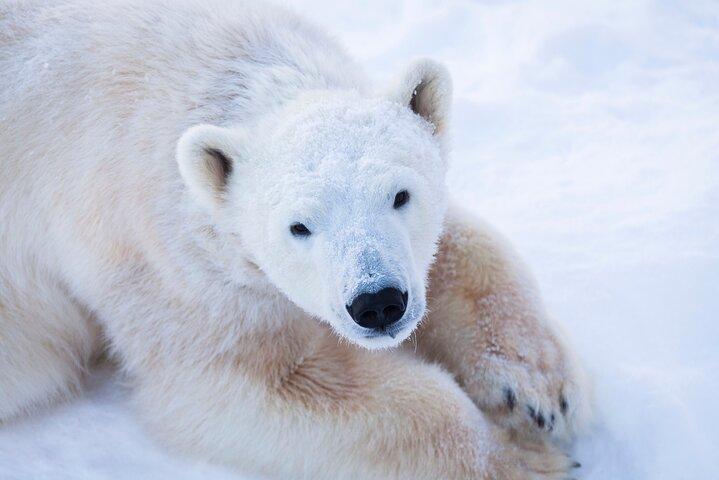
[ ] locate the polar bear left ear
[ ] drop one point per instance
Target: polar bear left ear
(207, 156)
(426, 88)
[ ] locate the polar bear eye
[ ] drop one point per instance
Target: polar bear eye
(401, 199)
(300, 230)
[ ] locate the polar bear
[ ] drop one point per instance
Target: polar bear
(214, 194)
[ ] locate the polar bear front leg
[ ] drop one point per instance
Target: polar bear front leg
(299, 404)
(486, 325)
(47, 339)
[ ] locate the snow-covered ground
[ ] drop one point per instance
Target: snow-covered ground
(589, 133)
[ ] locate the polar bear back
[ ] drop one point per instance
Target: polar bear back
(228, 59)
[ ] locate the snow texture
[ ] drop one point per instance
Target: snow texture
(588, 133)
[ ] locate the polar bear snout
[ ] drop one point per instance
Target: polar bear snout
(378, 310)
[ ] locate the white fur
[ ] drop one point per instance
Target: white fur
(110, 207)
(197, 167)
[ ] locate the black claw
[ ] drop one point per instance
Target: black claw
(563, 404)
(536, 416)
(540, 420)
(510, 398)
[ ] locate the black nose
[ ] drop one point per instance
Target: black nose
(377, 310)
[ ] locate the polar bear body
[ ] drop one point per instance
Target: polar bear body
(107, 243)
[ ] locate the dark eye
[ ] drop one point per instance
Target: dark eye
(299, 230)
(401, 199)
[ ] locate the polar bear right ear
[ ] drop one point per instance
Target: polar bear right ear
(207, 156)
(425, 86)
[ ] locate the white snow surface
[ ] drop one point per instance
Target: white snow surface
(588, 132)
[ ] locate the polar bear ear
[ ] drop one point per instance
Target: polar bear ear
(426, 88)
(207, 156)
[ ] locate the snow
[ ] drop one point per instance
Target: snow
(589, 134)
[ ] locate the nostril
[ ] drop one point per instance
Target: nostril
(368, 317)
(392, 313)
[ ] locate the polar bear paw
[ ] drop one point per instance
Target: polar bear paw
(540, 396)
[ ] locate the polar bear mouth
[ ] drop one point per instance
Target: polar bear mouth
(390, 330)
(393, 330)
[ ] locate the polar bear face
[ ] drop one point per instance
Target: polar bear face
(338, 198)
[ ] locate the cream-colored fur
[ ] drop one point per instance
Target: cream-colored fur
(100, 230)
(502, 347)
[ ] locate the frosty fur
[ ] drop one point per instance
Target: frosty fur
(154, 155)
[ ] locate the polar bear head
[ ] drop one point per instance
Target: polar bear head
(338, 197)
